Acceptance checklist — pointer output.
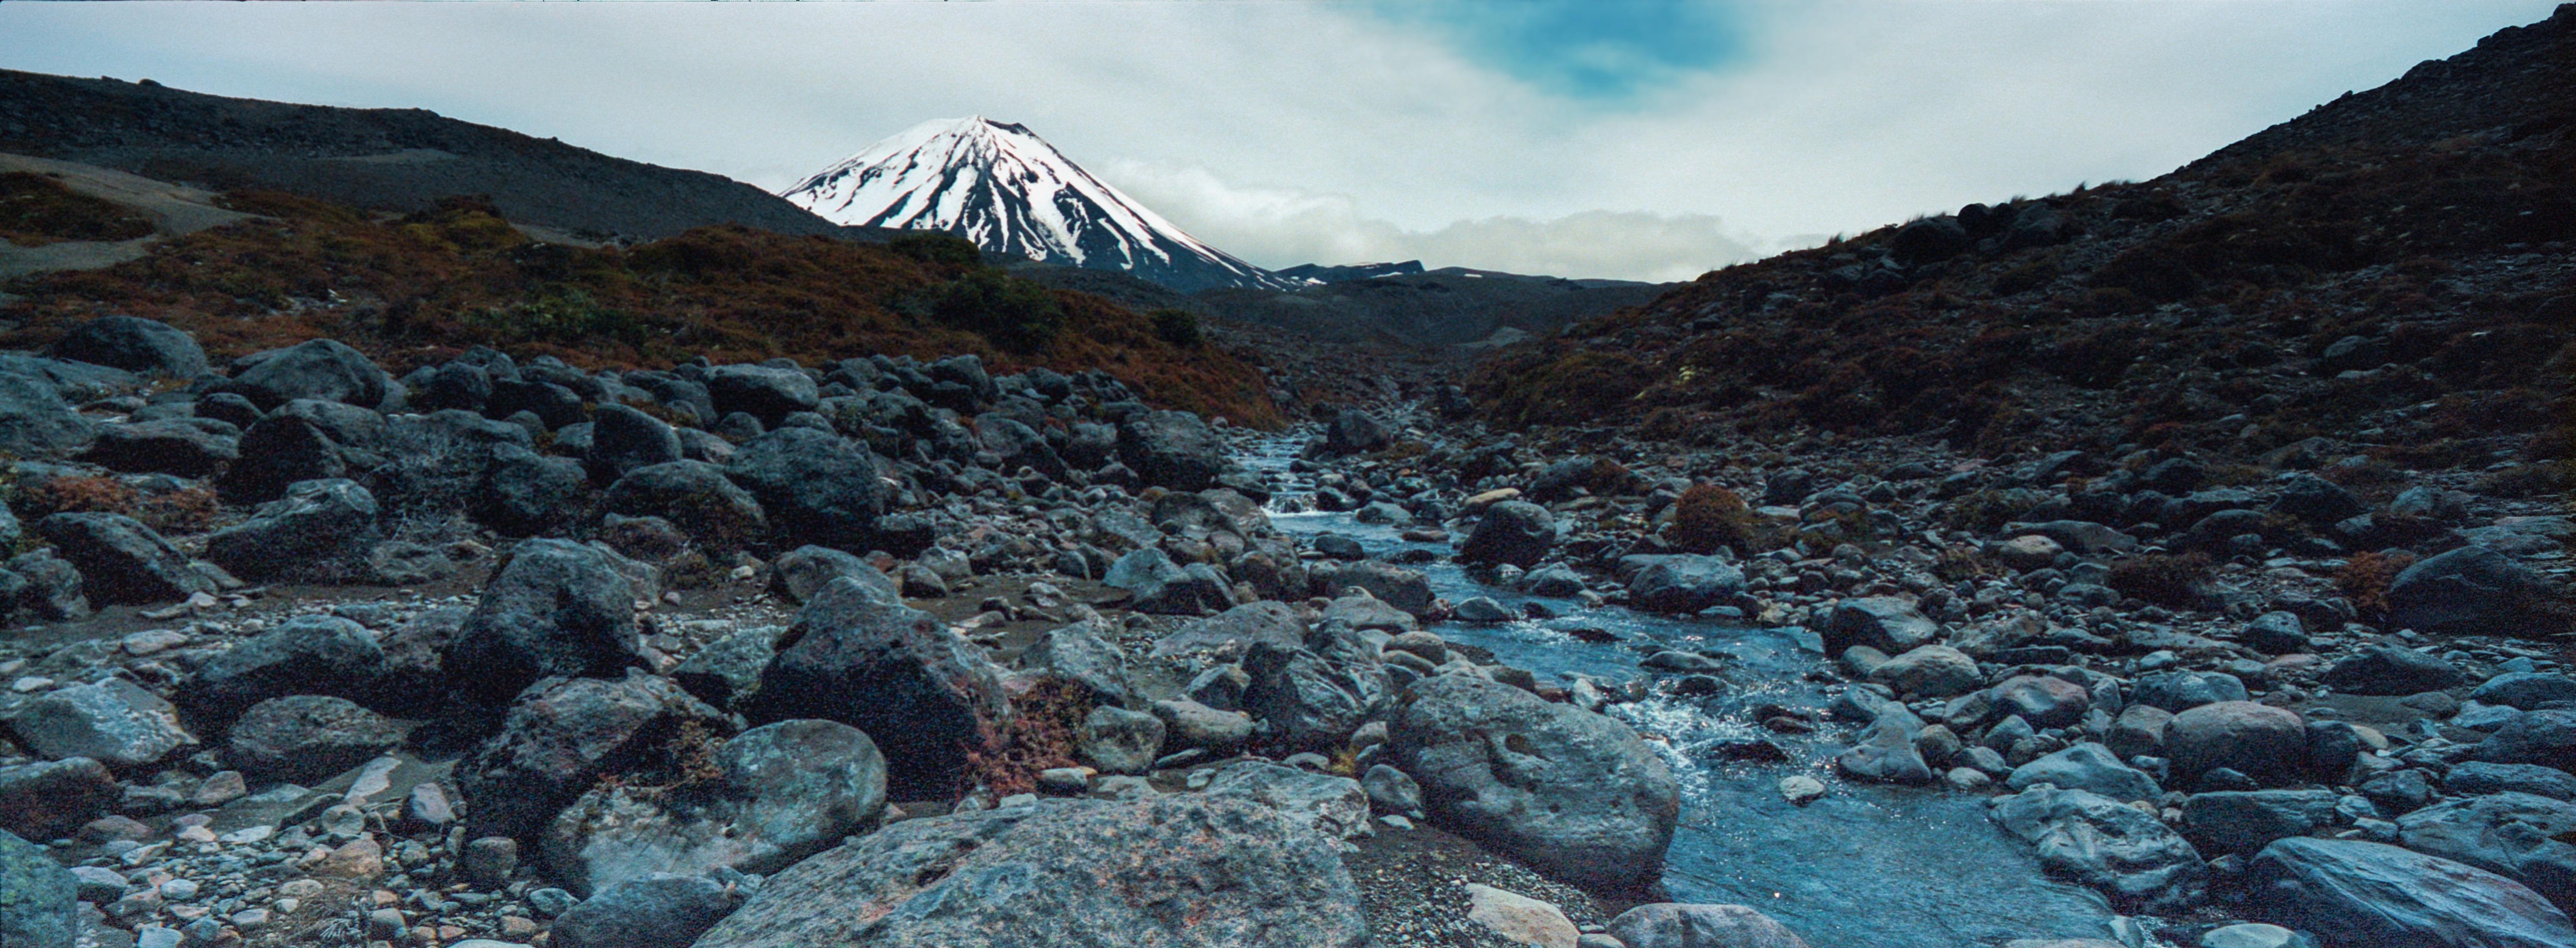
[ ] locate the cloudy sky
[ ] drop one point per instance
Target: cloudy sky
(1626, 138)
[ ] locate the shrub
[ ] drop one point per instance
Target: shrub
(937, 248)
(37, 210)
(1179, 327)
(560, 315)
(2365, 576)
(2162, 578)
(1708, 517)
(1043, 732)
(1015, 314)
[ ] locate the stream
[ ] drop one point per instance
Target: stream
(1867, 866)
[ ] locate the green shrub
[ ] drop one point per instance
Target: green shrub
(1179, 327)
(557, 315)
(938, 248)
(1015, 314)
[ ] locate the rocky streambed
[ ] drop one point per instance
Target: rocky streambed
(891, 652)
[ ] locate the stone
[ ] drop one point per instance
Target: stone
(767, 393)
(2277, 633)
(1577, 795)
(1675, 925)
(2243, 822)
(2255, 935)
(39, 899)
(1516, 532)
(2546, 737)
(2140, 729)
(662, 910)
(778, 793)
(2353, 892)
(857, 656)
(693, 495)
(2092, 840)
(1394, 585)
(816, 487)
(1173, 449)
(1189, 724)
(306, 739)
(2480, 777)
(308, 655)
(1065, 872)
(35, 421)
(1885, 623)
(2472, 590)
(560, 737)
(2398, 791)
(134, 344)
(49, 800)
(2027, 552)
(121, 560)
(321, 369)
(528, 494)
(1120, 741)
(1930, 671)
(114, 722)
(1313, 697)
(2087, 766)
(1391, 791)
(2391, 670)
(2041, 700)
(1686, 583)
(799, 573)
(1482, 610)
(1520, 919)
(186, 447)
(623, 439)
(1365, 612)
(556, 609)
(2514, 835)
(2316, 500)
(1076, 654)
(2179, 691)
(2525, 690)
(488, 862)
(1334, 806)
(1801, 789)
(319, 533)
(277, 451)
(1886, 753)
(2250, 738)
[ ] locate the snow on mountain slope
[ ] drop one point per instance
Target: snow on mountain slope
(1001, 186)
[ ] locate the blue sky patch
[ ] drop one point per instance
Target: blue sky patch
(1591, 49)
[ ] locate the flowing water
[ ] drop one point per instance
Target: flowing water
(1865, 867)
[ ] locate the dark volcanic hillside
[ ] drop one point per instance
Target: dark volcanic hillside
(2391, 268)
(385, 159)
(1449, 306)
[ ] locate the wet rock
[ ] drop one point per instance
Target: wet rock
(1886, 753)
(856, 656)
(1573, 793)
(121, 560)
(1515, 532)
(2119, 850)
(560, 737)
(1314, 696)
(1675, 925)
(2513, 835)
(2363, 893)
(815, 486)
(307, 739)
(2525, 690)
(2243, 822)
(311, 654)
(657, 911)
(39, 899)
(2041, 700)
(2391, 670)
(1356, 432)
(114, 722)
(1684, 583)
(778, 793)
(1930, 671)
(1394, 585)
(320, 532)
(51, 799)
(2472, 590)
(1025, 875)
(1173, 449)
(134, 344)
(1885, 623)
(557, 609)
(694, 495)
(2087, 766)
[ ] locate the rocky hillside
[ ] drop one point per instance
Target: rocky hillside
(381, 159)
(1446, 307)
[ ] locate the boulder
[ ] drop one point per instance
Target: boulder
(662, 910)
(1519, 919)
(319, 533)
(305, 655)
(817, 487)
(2525, 690)
(2042, 700)
(2351, 892)
(2244, 821)
(1391, 791)
(800, 573)
(1095, 873)
(696, 497)
(1019, 445)
(1334, 806)
(2087, 766)
(49, 800)
(1886, 623)
(186, 447)
(764, 392)
(2480, 777)
(857, 656)
(1189, 724)
(278, 451)
(1356, 432)
(623, 439)
(137, 345)
(2180, 691)
(529, 494)
(2318, 501)
(2392, 670)
(2140, 729)
(2092, 840)
(1394, 585)
(121, 560)
(2546, 737)
(1174, 449)
(2514, 835)
(321, 369)
(114, 722)
(770, 796)
(2277, 633)
(1516, 532)
(1676, 925)
(561, 736)
(557, 608)
(2472, 590)
(35, 421)
(1930, 671)
(1314, 696)
(1885, 752)
(1264, 621)
(1120, 741)
(727, 671)
(1574, 794)
(1077, 655)
(307, 739)
(39, 899)
(2253, 739)
(1684, 583)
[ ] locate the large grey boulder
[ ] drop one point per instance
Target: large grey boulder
(50, 799)
(1885, 623)
(694, 496)
(280, 450)
(1174, 449)
(35, 421)
(2546, 737)
(558, 608)
(2479, 777)
(2244, 821)
(2090, 839)
(561, 736)
(2525, 690)
(1684, 583)
(2087, 766)
(778, 793)
(1120, 741)
(1678, 925)
(2179, 691)
(134, 344)
(2351, 892)
(800, 573)
(857, 656)
(1514, 531)
(305, 655)
(1405, 589)
(187, 447)
(39, 899)
(1265, 621)
(1312, 697)
(1077, 654)
(816, 486)
(623, 439)
(319, 532)
(1575, 794)
(2472, 590)
(2514, 835)
(529, 494)
(1334, 806)
(307, 739)
(2392, 670)
(764, 392)
(114, 722)
(1353, 431)
(2253, 739)
(1072, 873)
(662, 910)
(320, 369)
(121, 560)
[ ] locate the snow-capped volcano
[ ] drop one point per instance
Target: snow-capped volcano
(1001, 186)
